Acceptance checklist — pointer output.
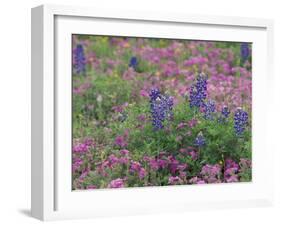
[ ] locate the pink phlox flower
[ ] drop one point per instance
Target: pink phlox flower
(144, 93)
(80, 148)
(142, 173)
(192, 123)
(124, 152)
(113, 160)
(91, 186)
(117, 183)
(196, 180)
(173, 180)
(120, 141)
(135, 166)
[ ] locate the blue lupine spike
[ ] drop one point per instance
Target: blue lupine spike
(225, 112)
(154, 93)
(198, 91)
(244, 51)
(200, 140)
(79, 60)
(240, 121)
(209, 108)
(133, 62)
(161, 107)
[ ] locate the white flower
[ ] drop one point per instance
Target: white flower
(99, 98)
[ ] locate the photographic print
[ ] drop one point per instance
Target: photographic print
(160, 112)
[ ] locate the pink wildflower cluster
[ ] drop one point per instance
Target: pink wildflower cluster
(80, 151)
(121, 140)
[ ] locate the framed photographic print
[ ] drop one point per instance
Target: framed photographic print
(142, 112)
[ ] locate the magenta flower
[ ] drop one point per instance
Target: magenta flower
(141, 118)
(229, 163)
(120, 141)
(232, 179)
(144, 93)
(124, 152)
(124, 160)
(193, 154)
(175, 180)
(117, 183)
(182, 166)
(77, 162)
(211, 173)
(153, 164)
(80, 148)
(183, 151)
(113, 160)
(196, 180)
(120, 108)
(83, 175)
(231, 171)
(142, 173)
(162, 163)
(181, 125)
(173, 164)
(196, 60)
(192, 123)
(135, 166)
(91, 187)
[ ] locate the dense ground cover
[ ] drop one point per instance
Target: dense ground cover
(155, 112)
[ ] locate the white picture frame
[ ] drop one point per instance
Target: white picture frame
(52, 197)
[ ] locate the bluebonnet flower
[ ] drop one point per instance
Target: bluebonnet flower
(225, 112)
(154, 94)
(161, 107)
(79, 60)
(244, 51)
(209, 109)
(198, 91)
(240, 121)
(200, 140)
(133, 62)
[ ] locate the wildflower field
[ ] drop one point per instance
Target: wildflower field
(157, 112)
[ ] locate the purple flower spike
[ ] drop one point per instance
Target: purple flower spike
(198, 91)
(133, 62)
(240, 121)
(154, 94)
(209, 109)
(161, 107)
(225, 112)
(200, 140)
(245, 51)
(79, 60)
